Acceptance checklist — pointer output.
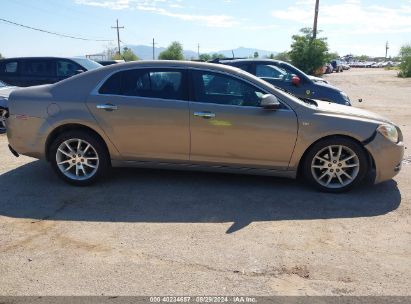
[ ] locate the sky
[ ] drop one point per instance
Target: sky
(351, 26)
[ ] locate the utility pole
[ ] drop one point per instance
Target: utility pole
(198, 50)
(317, 5)
(154, 50)
(118, 36)
(386, 49)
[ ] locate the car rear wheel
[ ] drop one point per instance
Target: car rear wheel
(336, 165)
(3, 113)
(79, 158)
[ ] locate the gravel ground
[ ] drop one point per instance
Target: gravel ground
(148, 232)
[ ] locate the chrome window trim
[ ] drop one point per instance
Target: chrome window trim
(95, 91)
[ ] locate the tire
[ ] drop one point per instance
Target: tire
(3, 113)
(346, 169)
(90, 162)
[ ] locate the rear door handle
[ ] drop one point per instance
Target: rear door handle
(107, 107)
(205, 115)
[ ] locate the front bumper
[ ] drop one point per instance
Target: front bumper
(387, 157)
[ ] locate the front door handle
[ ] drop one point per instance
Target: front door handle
(107, 107)
(205, 115)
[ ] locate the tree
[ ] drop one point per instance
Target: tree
(173, 52)
(405, 66)
(217, 55)
(307, 53)
(256, 55)
(362, 58)
(332, 56)
(128, 55)
(283, 56)
(204, 57)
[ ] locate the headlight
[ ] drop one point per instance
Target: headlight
(390, 132)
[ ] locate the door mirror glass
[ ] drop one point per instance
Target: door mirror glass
(270, 102)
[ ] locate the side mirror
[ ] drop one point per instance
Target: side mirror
(295, 80)
(270, 102)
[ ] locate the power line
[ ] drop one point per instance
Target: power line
(49, 32)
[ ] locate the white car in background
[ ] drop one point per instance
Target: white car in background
(5, 91)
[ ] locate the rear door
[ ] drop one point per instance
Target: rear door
(145, 113)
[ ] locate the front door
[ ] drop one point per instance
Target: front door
(144, 112)
(228, 125)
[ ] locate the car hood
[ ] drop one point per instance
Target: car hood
(326, 85)
(317, 79)
(329, 108)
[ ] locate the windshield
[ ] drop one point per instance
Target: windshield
(272, 71)
(294, 70)
(87, 63)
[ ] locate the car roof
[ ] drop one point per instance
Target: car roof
(225, 60)
(172, 63)
(41, 57)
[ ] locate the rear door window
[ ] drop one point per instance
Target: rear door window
(151, 83)
(39, 67)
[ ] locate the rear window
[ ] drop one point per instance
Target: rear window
(158, 83)
(8, 67)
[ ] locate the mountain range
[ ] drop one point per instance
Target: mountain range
(145, 52)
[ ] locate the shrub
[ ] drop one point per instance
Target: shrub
(405, 66)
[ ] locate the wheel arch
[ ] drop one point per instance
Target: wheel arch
(71, 127)
(302, 159)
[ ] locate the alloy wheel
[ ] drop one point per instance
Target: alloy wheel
(77, 159)
(335, 166)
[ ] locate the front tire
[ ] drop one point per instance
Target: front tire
(79, 157)
(335, 164)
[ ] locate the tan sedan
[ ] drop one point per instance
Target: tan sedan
(198, 116)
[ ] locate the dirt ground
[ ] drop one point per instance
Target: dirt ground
(148, 232)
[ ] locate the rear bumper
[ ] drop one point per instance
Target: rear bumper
(387, 157)
(25, 135)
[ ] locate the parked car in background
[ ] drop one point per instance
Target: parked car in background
(289, 78)
(345, 66)
(5, 91)
(337, 66)
(328, 68)
(176, 114)
(109, 62)
(30, 71)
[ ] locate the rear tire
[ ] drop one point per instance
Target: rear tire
(335, 164)
(79, 157)
(3, 113)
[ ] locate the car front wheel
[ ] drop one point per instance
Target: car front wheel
(79, 158)
(336, 164)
